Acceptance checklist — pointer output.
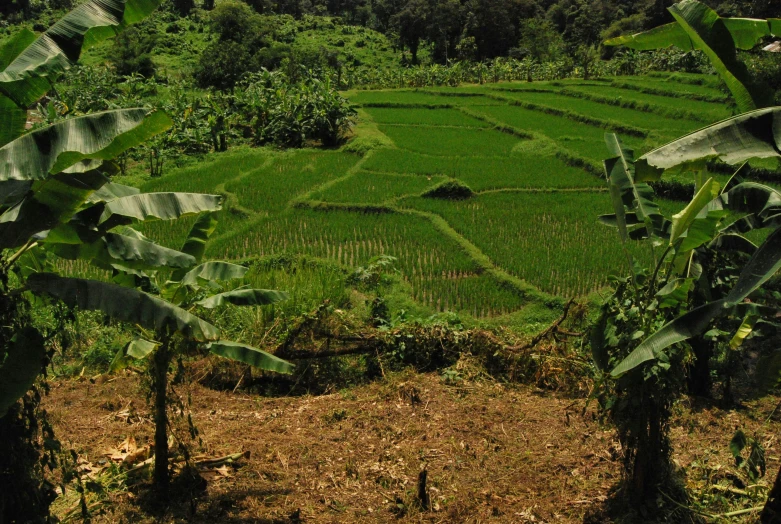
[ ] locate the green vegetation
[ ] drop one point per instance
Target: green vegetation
(533, 168)
(664, 127)
(375, 188)
(445, 141)
(652, 339)
(442, 227)
(522, 162)
(713, 111)
(571, 257)
(424, 117)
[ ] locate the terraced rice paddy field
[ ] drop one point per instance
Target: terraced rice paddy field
(530, 152)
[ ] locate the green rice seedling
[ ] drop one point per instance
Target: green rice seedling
(668, 89)
(464, 96)
(429, 261)
(673, 86)
(348, 238)
(81, 269)
(308, 282)
(666, 127)
(521, 170)
(478, 295)
(429, 117)
(205, 177)
(551, 240)
(375, 188)
(393, 97)
(270, 190)
(209, 177)
(451, 141)
(172, 234)
(714, 112)
(583, 139)
(712, 81)
(522, 86)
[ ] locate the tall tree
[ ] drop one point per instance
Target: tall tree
(491, 25)
(412, 24)
(444, 28)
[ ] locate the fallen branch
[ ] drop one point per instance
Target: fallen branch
(200, 464)
(552, 329)
(217, 462)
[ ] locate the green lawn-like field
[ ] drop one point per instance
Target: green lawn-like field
(528, 236)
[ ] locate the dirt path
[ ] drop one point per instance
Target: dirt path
(492, 453)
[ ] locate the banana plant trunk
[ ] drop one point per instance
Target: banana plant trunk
(161, 363)
(771, 514)
(648, 467)
(699, 371)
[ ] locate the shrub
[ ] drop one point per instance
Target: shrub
(131, 52)
(290, 113)
(450, 190)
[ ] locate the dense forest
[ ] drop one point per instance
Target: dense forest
(461, 29)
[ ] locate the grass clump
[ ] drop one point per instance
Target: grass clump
(449, 190)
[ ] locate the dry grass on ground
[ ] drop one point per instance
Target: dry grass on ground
(492, 453)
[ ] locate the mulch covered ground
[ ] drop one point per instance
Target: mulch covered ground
(492, 453)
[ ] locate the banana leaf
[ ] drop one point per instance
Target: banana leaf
(53, 201)
(709, 34)
(250, 355)
(156, 206)
(746, 33)
(682, 328)
(112, 191)
(13, 118)
(744, 330)
(137, 348)
(60, 46)
(244, 297)
(24, 92)
(214, 271)
(67, 144)
(697, 26)
(657, 38)
(122, 303)
(756, 134)
(195, 245)
(759, 269)
(681, 221)
(637, 198)
(200, 233)
(140, 348)
(125, 252)
(765, 262)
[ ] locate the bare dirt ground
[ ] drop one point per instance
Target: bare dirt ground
(492, 453)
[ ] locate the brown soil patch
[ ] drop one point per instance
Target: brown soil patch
(492, 453)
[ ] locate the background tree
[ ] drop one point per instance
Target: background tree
(411, 24)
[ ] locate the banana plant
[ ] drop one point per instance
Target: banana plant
(698, 27)
(735, 140)
(57, 201)
(704, 267)
(191, 288)
(697, 253)
(29, 63)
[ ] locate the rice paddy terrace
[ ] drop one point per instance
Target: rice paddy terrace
(530, 152)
